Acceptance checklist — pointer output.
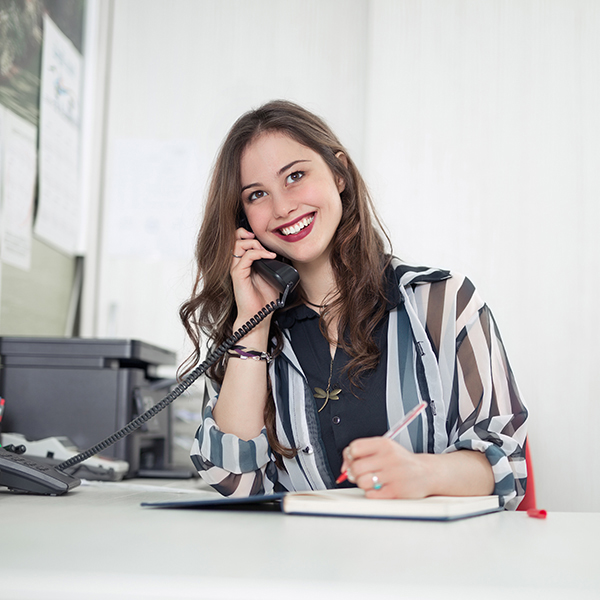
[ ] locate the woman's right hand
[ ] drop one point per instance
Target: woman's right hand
(251, 291)
(243, 394)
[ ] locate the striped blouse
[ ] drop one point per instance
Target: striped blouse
(443, 347)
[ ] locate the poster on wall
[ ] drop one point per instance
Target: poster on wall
(59, 202)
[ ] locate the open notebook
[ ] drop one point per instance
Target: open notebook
(349, 502)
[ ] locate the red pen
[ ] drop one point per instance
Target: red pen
(409, 417)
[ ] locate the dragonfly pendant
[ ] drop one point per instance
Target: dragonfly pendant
(321, 394)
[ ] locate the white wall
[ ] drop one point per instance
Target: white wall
(477, 126)
(483, 150)
(183, 71)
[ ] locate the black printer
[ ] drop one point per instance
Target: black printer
(86, 389)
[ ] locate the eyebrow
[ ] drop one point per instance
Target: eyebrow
(279, 173)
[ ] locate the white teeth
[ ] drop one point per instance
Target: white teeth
(299, 226)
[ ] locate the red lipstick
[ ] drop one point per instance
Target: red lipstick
(296, 237)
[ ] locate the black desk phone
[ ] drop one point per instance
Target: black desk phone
(29, 475)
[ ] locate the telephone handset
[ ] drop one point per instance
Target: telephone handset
(24, 474)
(279, 274)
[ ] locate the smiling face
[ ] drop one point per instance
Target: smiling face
(291, 197)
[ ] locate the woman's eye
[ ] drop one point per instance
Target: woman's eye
(295, 176)
(256, 195)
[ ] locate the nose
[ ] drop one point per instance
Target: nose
(284, 204)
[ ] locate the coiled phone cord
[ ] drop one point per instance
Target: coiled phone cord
(211, 359)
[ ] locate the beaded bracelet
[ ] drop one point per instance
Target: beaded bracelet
(246, 353)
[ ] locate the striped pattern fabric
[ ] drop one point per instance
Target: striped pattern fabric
(443, 347)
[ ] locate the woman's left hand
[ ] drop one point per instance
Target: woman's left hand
(384, 469)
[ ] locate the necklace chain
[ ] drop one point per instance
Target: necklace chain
(316, 305)
(322, 394)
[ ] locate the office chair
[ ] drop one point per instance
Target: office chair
(528, 501)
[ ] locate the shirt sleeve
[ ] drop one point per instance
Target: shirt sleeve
(486, 411)
(234, 467)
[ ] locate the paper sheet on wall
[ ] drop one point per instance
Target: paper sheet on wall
(17, 181)
(154, 199)
(1, 198)
(58, 214)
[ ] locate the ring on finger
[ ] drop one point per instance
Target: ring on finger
(377, 485)
(235, 255)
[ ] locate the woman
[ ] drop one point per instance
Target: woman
(363, 340)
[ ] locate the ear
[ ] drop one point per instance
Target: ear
(341, 184)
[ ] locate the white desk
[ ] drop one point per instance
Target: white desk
(98, 543)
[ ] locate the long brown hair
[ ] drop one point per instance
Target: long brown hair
(358, 256)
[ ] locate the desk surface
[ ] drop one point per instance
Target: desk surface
(97, 542)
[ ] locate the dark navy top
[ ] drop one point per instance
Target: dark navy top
(359, 411)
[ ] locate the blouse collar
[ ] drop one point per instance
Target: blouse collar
(301, 312)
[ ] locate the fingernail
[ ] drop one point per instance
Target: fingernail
(350, 476)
